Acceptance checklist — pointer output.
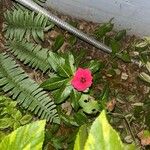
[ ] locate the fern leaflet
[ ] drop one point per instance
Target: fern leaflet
(31, 54)
(15, 82)
(23, 23)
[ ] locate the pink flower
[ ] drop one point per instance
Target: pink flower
(82, 79)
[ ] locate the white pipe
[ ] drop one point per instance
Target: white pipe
(33, 6)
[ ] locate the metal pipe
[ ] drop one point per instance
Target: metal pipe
(33, 6)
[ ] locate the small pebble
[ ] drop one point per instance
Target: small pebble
(117, 71)
(124, 76)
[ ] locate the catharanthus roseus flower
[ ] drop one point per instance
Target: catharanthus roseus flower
(82, 79)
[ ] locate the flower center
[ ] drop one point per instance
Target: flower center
(83, 80)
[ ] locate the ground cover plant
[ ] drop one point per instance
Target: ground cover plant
(49, 74)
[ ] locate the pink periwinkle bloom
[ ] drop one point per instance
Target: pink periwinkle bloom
(82, 79)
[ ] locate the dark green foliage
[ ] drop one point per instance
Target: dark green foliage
(94, 66)
(59, 41)
(103, 29)
(27, 93)
(31, 54)
(119, 36)
(23, 23)
(53, 83)
(74, 99)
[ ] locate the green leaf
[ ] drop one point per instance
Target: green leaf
(104, 96)
(69, 60)
(141, 46)
(79, 56)
(81, 138)
(21, 24)
(58, 64)
(115, 46)
(53, 83)
(29, 137)
(125, 57)
(74, 98)
(17, 115)
(29, 53)
(2, 135)
(59, 41)
(57, 142)
(68, 120)
(16, 125)
(80, 117)
(103, 29)
(130, 147)
(62, 94)
(72, 40)
(119, 36)
(55, 60)
(25, 119)
(25, 91)
(102, 136)
(94, 65)
(145, 77)
(88, 103)
(5, 123)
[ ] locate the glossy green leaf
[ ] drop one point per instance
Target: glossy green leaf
(70, 63)
(61, 94)
(81, 138)
(58, 64)
(102, 136)
(74, 98)
(53, 83)
(29, 137)
(94, 65)
(59, 41)
(55, 60)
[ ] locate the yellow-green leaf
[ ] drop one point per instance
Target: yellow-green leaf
(29, 137)
(81, 138)
(102, 136)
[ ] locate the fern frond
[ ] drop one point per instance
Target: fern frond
(15, 82)
(32, 54)
(23, 23)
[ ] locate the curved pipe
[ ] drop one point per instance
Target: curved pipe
(33, 6)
